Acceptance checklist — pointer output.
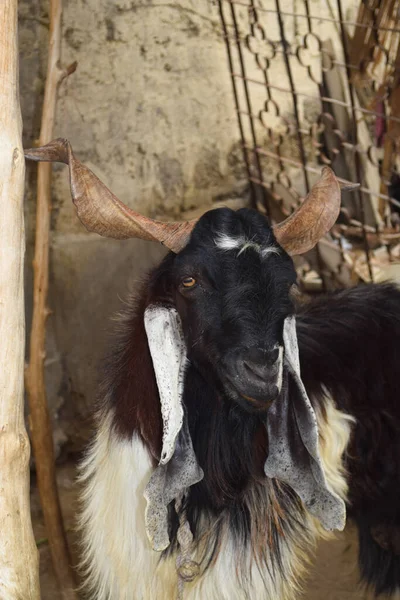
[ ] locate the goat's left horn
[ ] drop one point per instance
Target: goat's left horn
(317, 214)
(102, 212)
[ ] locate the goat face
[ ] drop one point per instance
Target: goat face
(231, 287)
(232, 280)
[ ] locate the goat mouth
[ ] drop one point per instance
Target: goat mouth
(255, 401)
(261, 405)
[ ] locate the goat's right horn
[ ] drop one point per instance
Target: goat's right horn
(102, 212)
(316, 215)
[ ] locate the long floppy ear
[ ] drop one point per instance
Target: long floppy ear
(178, 468)
(102, 212)
(293, 442)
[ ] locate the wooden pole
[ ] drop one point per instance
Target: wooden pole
(19, 574)
(41, 430)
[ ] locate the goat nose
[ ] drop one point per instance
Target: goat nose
(259, 362)
(255, 370)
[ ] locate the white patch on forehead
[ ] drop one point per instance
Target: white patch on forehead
(269, 250)
(225, 242)
(249, 244)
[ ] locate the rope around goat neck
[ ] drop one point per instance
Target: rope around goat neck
(186, 568)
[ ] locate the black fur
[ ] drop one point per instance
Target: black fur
(349, 345)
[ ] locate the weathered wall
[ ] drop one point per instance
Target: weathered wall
(150, 109)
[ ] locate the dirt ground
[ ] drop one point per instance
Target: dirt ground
(334, 575)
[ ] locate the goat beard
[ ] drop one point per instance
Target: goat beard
(292, 431)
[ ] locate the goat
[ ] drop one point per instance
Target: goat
(216, 466)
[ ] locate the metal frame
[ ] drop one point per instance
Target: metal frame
(261, 34)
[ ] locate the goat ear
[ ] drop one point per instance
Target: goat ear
(168, 353)
(178, 468)
(293, 442)
(317, 214)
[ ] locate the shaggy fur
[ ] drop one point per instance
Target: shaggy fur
(252, 535)
(249, 549)
(349, 343)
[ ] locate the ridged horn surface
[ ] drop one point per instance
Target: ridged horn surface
(315, 216)
(102, 212)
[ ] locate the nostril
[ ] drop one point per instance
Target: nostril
(272, 356)
(255, 369)
(248, 366)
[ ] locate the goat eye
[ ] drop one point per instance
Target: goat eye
(188, 282)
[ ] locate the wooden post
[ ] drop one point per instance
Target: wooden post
(19, 574)
(41, 430)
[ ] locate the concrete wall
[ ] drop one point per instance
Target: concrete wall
(150, 110)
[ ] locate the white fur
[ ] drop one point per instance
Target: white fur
(118, 562)
(225, 242)
(270, 250)
(117, 559)
(334, 435)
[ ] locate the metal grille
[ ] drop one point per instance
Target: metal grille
(317, 83)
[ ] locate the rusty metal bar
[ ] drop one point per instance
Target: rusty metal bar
(318, 254)
(236, 39)
(317, 140)
(294, 97)
(253, 12)
(344, 181)
(296, 163)
(286, 13)
(248, 100)
(303, 131)
(354, 134)
(237, 104)
(308, 16)
(322, 98)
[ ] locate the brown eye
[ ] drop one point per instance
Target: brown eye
(188, 282)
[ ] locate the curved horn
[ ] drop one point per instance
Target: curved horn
(102, 212)
(313, 218)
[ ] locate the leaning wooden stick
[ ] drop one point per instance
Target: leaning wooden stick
(19, 573)
(41, 431)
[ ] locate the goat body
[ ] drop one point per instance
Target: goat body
(252, 534)
(349, 346)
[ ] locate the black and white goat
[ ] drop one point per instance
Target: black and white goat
(216, 466)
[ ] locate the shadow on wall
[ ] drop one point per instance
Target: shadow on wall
(90, 278)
